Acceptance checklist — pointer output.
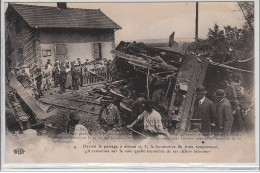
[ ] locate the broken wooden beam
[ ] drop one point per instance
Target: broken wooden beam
(98, 76)
(69, 107)
(78, 100)
(29, 101)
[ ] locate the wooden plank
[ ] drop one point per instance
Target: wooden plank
(188, 102)
(70, 107)
(189, 74)
(78, 100)
(22, 92)
(200, 81)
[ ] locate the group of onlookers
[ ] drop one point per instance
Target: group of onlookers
(219, 118)
(66, 75)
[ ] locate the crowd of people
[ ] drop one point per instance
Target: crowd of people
(145, 120)
(66, 75)
(219, 117)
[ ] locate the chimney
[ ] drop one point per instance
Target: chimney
(62, 5)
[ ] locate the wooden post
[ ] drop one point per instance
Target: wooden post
(197, 21)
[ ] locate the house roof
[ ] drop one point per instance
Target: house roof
(53, 17)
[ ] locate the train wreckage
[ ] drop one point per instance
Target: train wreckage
(164, 75)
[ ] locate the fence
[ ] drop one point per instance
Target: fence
(96, 75)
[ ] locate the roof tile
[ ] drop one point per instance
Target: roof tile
(53, 17)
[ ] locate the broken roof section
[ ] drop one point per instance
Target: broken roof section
(53, 17)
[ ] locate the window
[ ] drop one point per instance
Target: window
(17, 27)
(61, 49)
(46, 53)
(97, 51)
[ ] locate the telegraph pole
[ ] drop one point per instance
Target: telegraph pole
(197, 21)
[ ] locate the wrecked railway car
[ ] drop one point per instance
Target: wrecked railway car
(167, 77)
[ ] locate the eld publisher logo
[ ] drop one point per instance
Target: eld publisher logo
(18, 151)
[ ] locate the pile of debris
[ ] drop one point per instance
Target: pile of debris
(167, 77)
(163, 75)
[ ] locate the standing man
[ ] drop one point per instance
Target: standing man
(49, 62)
(47, 78)
(205, 110)
(63, 77)
(75, 76)
(80, 73)
(109, 117)
(38, 78)
(224, 113)
(56, 75)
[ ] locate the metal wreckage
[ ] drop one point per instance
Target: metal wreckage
(167, 77)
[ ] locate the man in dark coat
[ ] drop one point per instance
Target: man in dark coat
(75, 73)
(38, 78)
(56, 75)
(63, 78)
(80, 73)
(224, 113)
(205, 110)
(237, 114)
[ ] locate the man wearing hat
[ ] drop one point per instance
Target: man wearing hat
(80, 73)
(109, 117)
(62, 79)
(49, 62)
(224, 113)
(38, 78)
(47, 78)
(75, 73)
(56, 74)
(205, 110)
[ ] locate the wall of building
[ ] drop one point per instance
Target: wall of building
(31, 42)
(78, 50)
(79, 43)
(22, 45)
(56, 35)
(85, 51)
(45, 59)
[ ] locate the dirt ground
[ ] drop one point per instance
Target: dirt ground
(80, 100)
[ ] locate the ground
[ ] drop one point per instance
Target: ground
(84, 102)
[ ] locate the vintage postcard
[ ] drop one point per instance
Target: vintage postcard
(130, 85)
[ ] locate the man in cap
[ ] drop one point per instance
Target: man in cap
(224, 113)
(80, 72)
(75, 73)
(50, 68)
(47, 78)
(38, 78)
(109, 117)
(49, 62)
(62, 80)
(56, 74)
(205, 110)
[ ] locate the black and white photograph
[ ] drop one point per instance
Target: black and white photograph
(129, 82)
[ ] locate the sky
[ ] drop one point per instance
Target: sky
(141, 21)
